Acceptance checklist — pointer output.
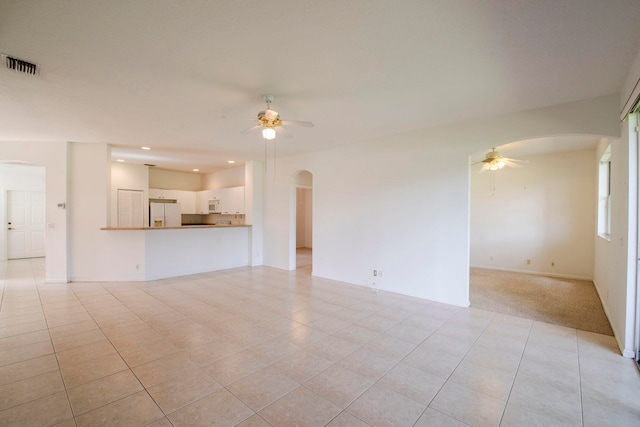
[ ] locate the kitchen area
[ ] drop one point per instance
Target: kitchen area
(148, 197)
(179, 223)
(172, 208)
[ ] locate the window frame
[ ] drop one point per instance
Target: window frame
(604, 194)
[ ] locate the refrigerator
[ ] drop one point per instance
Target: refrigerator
(164, 213)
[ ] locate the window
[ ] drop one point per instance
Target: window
(604, 194)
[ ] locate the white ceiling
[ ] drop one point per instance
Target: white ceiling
(186, 77)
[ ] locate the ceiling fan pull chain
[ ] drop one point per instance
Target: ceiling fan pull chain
(492, 185)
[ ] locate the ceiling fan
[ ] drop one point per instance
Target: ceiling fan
(270, 121)
(495, 161)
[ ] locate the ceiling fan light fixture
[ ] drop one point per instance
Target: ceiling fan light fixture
(268, 133)
(496, 165)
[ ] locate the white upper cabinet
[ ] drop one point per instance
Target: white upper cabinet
(155, 193)
(202, 202)
(232, 200)
(187, 199)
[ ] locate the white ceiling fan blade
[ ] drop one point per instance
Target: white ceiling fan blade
(283, 132)
(513, 164)
(297, 123)
(515, 160)
(254, 127)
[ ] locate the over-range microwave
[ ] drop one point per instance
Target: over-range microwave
(214, 206)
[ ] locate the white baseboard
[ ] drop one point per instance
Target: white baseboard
(628, 353)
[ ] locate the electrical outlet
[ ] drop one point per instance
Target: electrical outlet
(528, 262)
(553, 264)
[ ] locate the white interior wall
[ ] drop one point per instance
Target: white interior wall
(611, 263)
(543, 212)
(128, 177)
(390, 205)
(615, 267)
(89, 185)
(174, 180)
(52, 156)
(254, 203)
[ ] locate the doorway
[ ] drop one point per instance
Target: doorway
(531, 245)
(22, 211)
(304, 220)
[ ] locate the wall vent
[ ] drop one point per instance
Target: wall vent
(20, 65)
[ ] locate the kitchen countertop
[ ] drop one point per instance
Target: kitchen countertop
(186, 226)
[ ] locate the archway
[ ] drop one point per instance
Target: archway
(531, 234)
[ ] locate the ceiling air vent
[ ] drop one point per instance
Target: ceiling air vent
(20, 65)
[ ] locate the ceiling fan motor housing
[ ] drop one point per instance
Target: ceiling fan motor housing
(493, 154)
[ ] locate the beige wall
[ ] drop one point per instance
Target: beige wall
(172, 180)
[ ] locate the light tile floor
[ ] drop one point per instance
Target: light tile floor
(265, 347)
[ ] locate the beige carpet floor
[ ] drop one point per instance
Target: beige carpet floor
(565, 302)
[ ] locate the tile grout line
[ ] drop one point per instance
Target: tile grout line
(515, 375)
(146, 390)
(446, 380)
(580, 377)
(119, 355)
(55, 353)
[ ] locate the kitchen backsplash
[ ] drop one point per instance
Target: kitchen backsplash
(231, 219)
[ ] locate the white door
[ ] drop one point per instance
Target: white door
(130, 208)
(25, 224)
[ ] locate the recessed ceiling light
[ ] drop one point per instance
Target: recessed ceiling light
(196, 170)
(231, 161)
(120, 160)
(146, 148)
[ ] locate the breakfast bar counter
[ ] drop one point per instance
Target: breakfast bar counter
(151, 253)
